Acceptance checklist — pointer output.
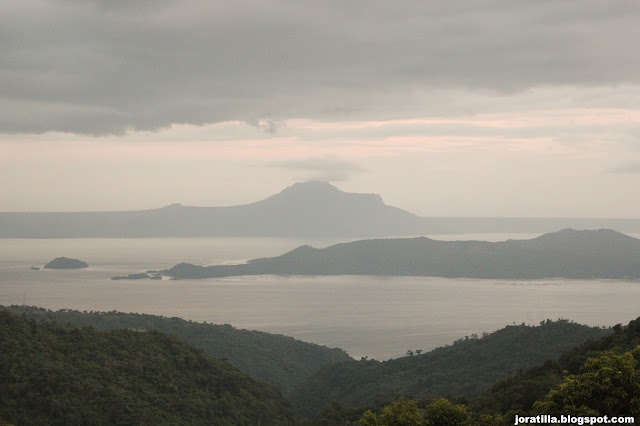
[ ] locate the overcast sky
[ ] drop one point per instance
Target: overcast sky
(444, 108)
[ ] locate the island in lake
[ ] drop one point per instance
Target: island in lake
(66, 263)
(568, 254)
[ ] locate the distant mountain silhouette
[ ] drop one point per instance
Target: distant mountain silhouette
(565, 254)
(309, 209)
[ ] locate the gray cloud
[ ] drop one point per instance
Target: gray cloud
(627, 168)
(267, 125)
(326, 168)
(100, 67)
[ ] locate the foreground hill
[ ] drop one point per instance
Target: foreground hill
(521, 390)
(303, 210)
(602, 254)
(467, 368)
(278, 360)
(53, 374)
(596, 379)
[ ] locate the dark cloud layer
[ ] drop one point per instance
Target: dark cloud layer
(108, 67)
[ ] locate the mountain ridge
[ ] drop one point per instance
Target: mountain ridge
(52, 373)
(279, 360)
(442, 371)
(570, 254)
(309, 209)
(303, 210)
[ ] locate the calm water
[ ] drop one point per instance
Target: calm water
(372, 316)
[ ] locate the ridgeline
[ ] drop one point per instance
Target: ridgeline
(302, 210)
(570, 254)
(467, 368)
(281, 361)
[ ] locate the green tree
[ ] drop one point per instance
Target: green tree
(606, 385)
(400, 413)
(443, 412)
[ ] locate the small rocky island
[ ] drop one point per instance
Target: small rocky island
(66, 263)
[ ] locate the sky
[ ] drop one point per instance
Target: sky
(444, 108)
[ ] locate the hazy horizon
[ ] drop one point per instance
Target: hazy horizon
(269, 195)
(490, 109)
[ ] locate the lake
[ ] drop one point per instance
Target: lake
(379, 317)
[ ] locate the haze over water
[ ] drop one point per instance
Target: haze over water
(379, 317)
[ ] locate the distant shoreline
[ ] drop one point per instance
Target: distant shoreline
(303, 210)
(566, 254)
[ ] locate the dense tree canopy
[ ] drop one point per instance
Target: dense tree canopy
(53, 374)
(519, 391)
(606, 385)
(278, 360)
(468, 367)
(441, 412)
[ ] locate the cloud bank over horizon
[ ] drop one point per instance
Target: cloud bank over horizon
(103, 67)
(487, 108)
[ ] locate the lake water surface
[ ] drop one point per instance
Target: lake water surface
(378, 317)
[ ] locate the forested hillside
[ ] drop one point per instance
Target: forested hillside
(54, 374)
(521, 390)
(467, 368)
(596, 380)
(279, 360)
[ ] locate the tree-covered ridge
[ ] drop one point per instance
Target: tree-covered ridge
(519, 391)
(279, 360)
(606, 390)
(467, 368)
(54, 374)
(606, 385)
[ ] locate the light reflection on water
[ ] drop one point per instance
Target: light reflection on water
(379, 317)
